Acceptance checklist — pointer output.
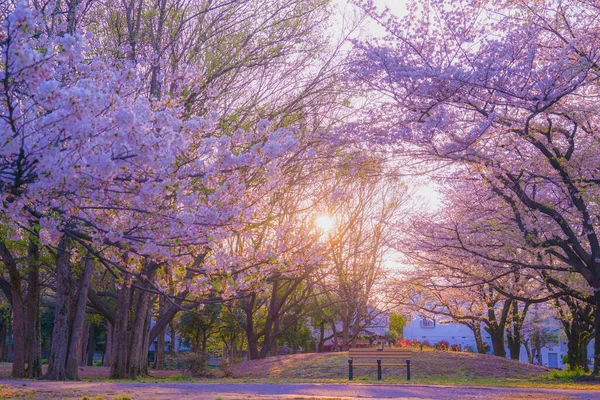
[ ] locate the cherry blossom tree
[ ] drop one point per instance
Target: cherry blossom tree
(107, 172)
(507, 91)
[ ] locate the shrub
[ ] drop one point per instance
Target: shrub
(195, 364)
(455, 347)
(404, 343)
(442, 345)
(468, 349)
(227, 368)
(568, 374)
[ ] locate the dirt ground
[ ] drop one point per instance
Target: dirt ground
(44, 390)
(93, 372)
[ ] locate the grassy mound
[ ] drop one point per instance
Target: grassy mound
(426, 367)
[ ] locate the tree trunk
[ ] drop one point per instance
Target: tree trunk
(18, 311)
(3, 337)
(133, 335)
(321, 337)
(77, 332)
(597, 332)
(497, 336)
(513, 338)
(32, 302)
(120, 333)
(109, 349)
(91, 346)
(18, 333)
(159, 355)
(57, 357)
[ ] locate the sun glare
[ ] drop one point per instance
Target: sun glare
(325, 222)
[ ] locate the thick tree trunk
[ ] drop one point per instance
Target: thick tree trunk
(77, 332)
(597, 332)
(133, 335)
(32, 302)
(91, 346)
(513, 338)
(513, 331)
(109, 348)
(476, 328)
(251, 336)
(18, 333)
(18, 311)
(120, 333)
(497, 336)
(321, 337)
(252, 345)
(138, 355)
(57, 357)
(159, 355)
(3, 337)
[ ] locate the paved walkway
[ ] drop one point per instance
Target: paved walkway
(187, 391)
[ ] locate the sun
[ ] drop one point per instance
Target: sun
(325, 222)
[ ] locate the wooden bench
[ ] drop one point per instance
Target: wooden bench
(379, 354)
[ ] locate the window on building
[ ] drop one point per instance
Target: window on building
(427, 323)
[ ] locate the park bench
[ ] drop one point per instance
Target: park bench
(379, 354)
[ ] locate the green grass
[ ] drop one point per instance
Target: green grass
(428, 367)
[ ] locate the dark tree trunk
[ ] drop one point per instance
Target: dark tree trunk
(321, 337)
(91, 346)
(159, 355)
(120, 333)
(597, 332)
(251, 336)
(57, 357)
(252, 345)
(109, 349)
(497, 336)
(18, 311)
(476, 328)
(32, 302)
(3, 337)
(77, 332)
(133, 336)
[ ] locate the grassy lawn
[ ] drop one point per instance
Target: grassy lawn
(427, 367)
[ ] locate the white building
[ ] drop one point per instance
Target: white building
(426, 329)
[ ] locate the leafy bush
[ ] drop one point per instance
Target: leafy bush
(568, 374)
(195, 364)
(404, 343)
(442, 345)
(426, 344)
(98, 363)
(454, 347)
(227, 368)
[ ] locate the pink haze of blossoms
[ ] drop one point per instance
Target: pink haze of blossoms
(83, 152)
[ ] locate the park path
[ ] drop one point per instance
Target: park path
(44, 390)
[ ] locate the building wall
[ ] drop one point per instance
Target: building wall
(459, 334)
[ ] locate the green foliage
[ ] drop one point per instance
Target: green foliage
(397, 323)
(392, 336)
(197, 327)
(179, 378)
(297, 335)
(195, 364)
(568, 374)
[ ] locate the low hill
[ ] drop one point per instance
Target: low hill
(426, 366)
